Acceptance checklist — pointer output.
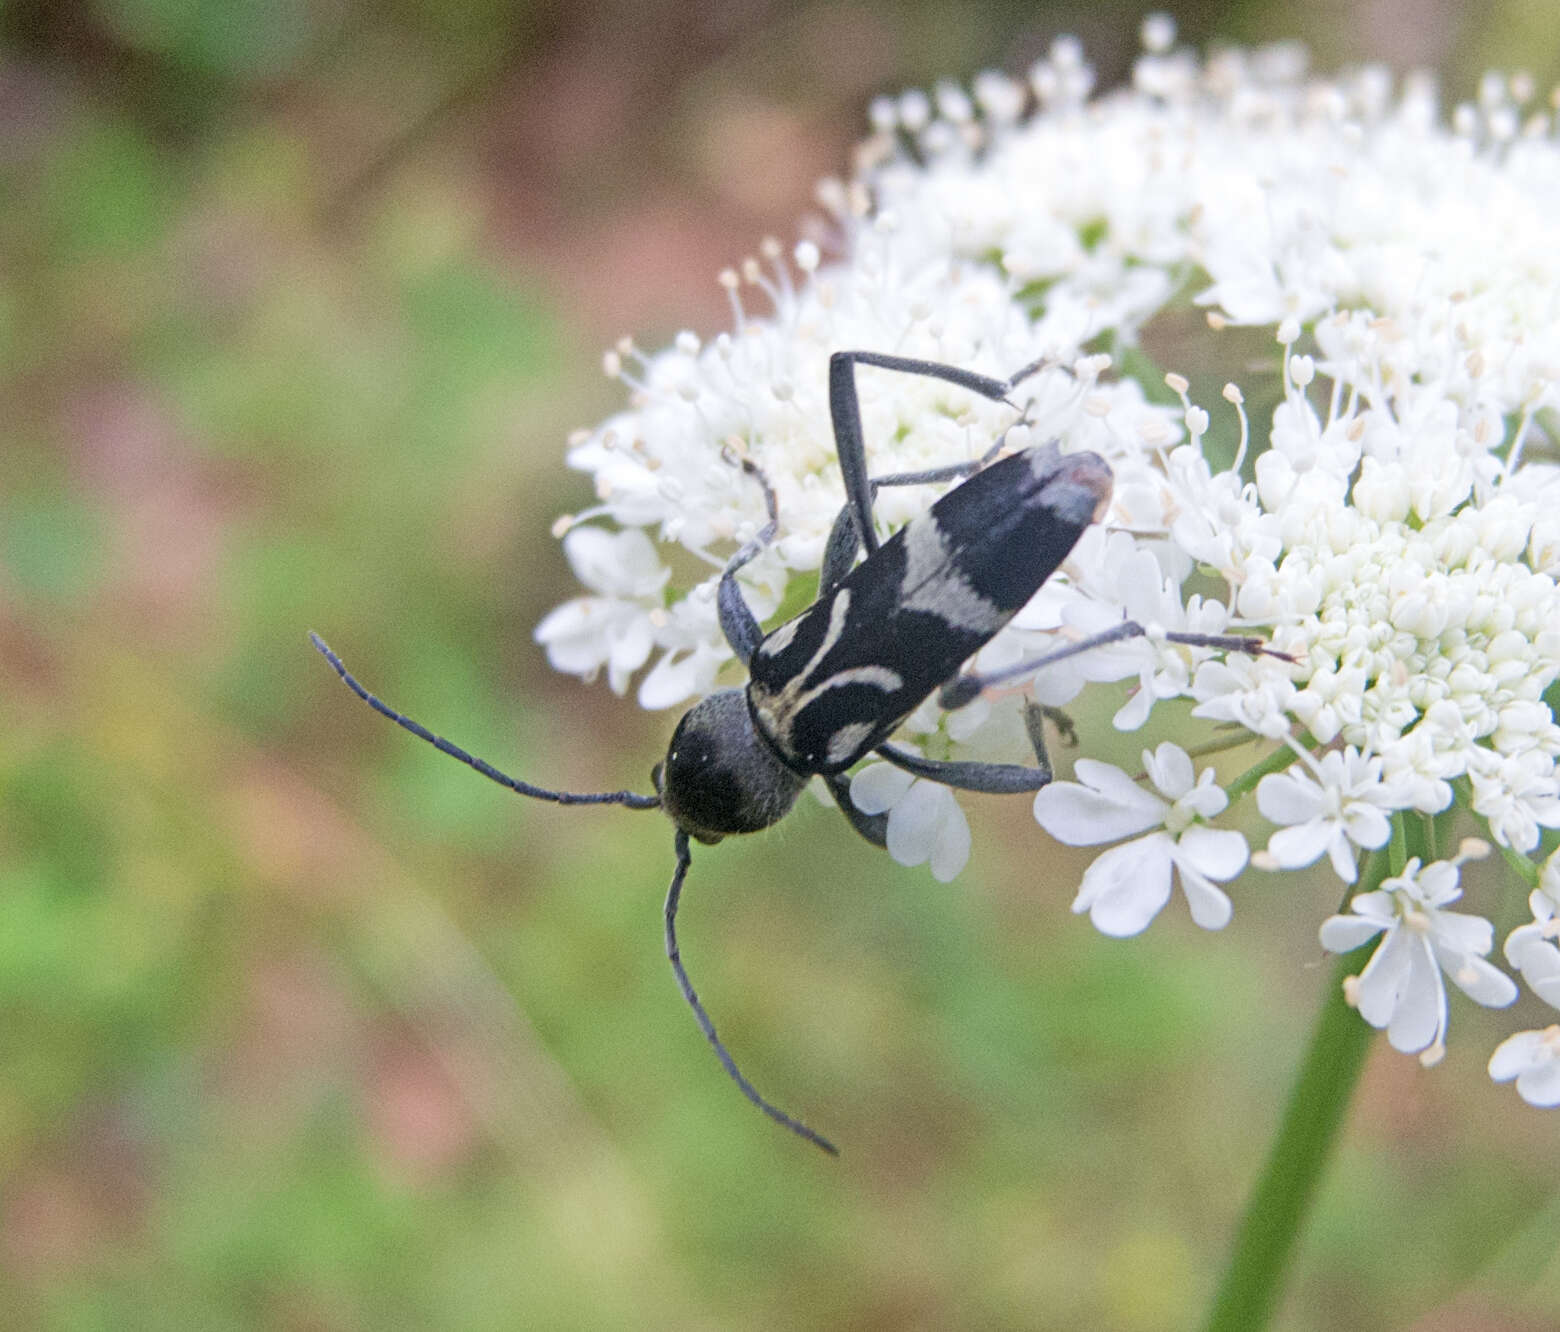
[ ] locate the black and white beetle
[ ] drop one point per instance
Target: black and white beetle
(830, 686)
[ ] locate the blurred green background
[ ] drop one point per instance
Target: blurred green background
(303, 1026)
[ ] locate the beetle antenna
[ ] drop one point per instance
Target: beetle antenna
(684, 859)
(630, 799)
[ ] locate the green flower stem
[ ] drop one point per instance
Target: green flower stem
(1265, 1243)
(1525, 868)
(1277, 761)
(1397, 848)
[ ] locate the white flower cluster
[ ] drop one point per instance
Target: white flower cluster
(1392, 523)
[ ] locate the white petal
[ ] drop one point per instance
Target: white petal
(1057, 687)
(877, 786)
(670, 681)
(1538, 960)
(1111, 806)
(1170, 769)
(579, 634)
(629, 651)
(1134, 712)
(1294, 848)
(1341, 852)
(967, 720)
(615, 563)
(1438, 883)
(952, 850)
(1420, 1014)
(1128, 886)
(1540, 1085)
(1366, 825)
(1481, 981)
(592, 553)
(1464, 933)
(1210, 906)
(912, 823)
(1217, 853)
(565, 621)
(1206, 798)
(1375, 905)
(1526, 938)
(1289, 798)
(1376, 994)
(1546, 988)
(1530, 1057)
(1343, 934)
(1516, 1054)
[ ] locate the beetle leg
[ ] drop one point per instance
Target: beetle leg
(874, 827)
(1065, 726)
(844, 545)
(965, 689)
(839, 554)
(737, 620)
(845, 412)
(986, 778)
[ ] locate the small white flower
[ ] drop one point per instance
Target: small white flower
(1330, 701)
(1127, 581)
(614, 629)
(1531, 948)
(689, 657)
(1342, 807)
(1249, 691)
(1127, 886)
(1418, 769)
(1533, 1059)
(924, 820)
(1401, 988)
(1518, 795)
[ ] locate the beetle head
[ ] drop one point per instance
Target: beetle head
(720, 776)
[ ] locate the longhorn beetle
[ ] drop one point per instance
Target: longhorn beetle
(831, 685)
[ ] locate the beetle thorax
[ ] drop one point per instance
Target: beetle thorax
(722, 777)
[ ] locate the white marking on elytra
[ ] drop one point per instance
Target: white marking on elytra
(777, 710)
(881, 676)
(837, 613)
(845, 741)
(778, 641)
(933, 583)
(769, 707)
